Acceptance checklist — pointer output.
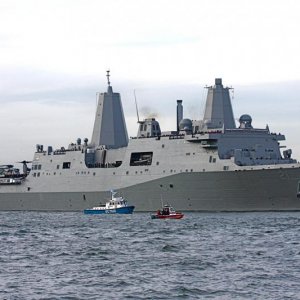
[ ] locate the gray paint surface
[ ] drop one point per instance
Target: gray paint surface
(218, 109)
(109, 127)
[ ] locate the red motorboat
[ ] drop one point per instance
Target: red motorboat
(167, 212)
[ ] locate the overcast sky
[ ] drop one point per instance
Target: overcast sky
(54, 56)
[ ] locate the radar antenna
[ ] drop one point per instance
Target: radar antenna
(107, 75)
(136, 107)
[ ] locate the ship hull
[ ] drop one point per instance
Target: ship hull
(248, 190)
(120, 210)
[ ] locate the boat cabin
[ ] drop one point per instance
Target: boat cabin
(117, 202)
(167, 210)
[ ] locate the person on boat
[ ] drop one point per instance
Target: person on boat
(165, 211)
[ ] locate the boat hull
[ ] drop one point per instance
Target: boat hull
(121, 210)
(251, 190)
(165, 217)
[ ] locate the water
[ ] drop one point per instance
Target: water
(202, 256)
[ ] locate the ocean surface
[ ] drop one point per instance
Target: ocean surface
(202, 256)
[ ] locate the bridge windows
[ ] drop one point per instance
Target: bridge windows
(66, 165)
(212, 159)
(36, 167)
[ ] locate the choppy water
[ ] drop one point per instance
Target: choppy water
(202, 256)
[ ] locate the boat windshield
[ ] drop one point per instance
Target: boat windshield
(171, 209)
(165, 211)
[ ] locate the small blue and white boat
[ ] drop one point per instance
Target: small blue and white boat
(116, 205)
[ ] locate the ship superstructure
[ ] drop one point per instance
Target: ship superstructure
(203, 165)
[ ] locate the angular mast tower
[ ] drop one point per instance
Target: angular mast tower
(218, 109)
(109, 127)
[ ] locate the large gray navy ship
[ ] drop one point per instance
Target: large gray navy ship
(203, 165)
